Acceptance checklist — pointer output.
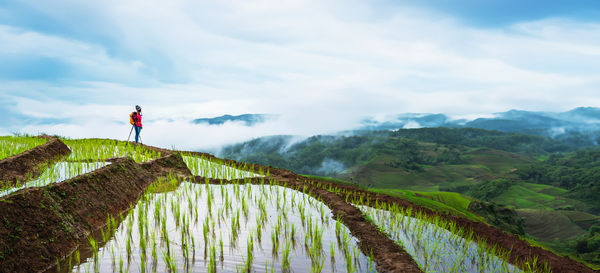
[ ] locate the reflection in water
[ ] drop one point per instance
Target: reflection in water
(436, 249)
(227, 228)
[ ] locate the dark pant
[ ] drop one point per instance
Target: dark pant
(137, 132)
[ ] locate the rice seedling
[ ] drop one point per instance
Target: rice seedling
(128, 246)
(249, 251)
(349, 263)
(275, 242)
(101, 149)
(293, 233)
(332, 251)
(441, 246)
(57, 265)
(286, 256)
(169, 262)
(77, 257)
(94, 246)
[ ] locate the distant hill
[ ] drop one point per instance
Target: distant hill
(543, 123)
(245, 119)
(580, 126)
(405, 121)
(333, 154)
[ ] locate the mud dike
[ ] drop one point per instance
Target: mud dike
(27, 164)
(42, 225)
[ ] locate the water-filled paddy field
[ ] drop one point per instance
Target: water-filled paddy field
(436, 249)
(55, 173)
(190, 227)
(204, 167)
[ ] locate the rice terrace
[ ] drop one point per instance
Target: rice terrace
(100, 205)
(299, 136)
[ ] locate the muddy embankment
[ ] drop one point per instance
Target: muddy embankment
(23, 166)
(40, 225)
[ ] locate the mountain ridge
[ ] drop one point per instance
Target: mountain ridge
(245, 119)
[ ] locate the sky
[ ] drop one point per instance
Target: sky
(77, 68)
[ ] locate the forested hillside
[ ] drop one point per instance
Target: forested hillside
(545, 182)
(314, 154)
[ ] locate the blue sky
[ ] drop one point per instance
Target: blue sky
(503, 13)
(75, 68)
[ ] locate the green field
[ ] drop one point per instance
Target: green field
(548, 225)
(478, 165)
(449, 202)
(538, 196)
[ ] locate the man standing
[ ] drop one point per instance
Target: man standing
(136, 120)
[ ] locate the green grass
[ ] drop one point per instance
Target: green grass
(537, 196)
(537, 224)
(479, 165)
(522, 197)
(497, 161)
(329, 179)
(377, 175)
(452, 199)
(12, 145)
(449, 202)
(565, 225)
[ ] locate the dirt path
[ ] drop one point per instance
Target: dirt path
(26, 165)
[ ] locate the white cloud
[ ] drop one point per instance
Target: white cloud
(86, 60)
(179, 133)
(412, 125)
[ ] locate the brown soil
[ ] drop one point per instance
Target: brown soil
(23, 166)
(171, 163)
(40, 225)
